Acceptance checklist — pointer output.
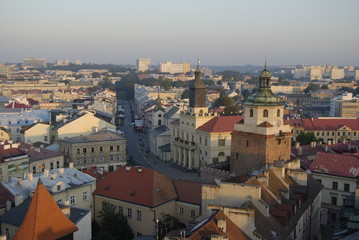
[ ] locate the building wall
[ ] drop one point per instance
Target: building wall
(37, 133)
(4, 135)
(342, 134)
(77, 152)
(145, 226)
(10, 229)
(340, 194)
(85, 231)
(84, 125)
(48, 163)
(211, 152)
(184, 142)
(16, 167)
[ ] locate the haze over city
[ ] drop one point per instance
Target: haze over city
(219, 32)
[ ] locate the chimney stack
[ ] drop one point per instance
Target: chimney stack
(61, 171)
(46, 172)
(30, 176)
(71, 165)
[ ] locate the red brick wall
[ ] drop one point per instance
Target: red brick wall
(261, 149)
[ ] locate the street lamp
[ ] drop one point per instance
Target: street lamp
(157, 230)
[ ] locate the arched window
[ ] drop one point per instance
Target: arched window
(265, 113)
(278, 113)
(159, 122)
(201, 111)
(251, 112)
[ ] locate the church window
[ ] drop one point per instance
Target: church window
(278, 113)
(192, 138)
(247, 143)
(200, 140)
(205, 141)
(187, 137)
(265, 113)
(251, 112)
(201, 111)
(159, 122)
(237, 155)
(279, 141)
(159, 115)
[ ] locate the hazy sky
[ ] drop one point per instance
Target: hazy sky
(219, 32)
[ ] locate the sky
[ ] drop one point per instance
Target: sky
(226, 32)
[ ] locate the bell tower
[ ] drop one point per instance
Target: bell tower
(262, 138)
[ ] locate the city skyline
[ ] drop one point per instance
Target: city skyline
(220, 33)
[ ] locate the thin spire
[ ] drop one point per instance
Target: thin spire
(198, 62)
(265, 63)
(158, 92)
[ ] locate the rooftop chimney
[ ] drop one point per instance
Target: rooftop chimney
(46, 172)
(61, 171)
(71, 165)
(53, 176)
(30, 176)
(19, 181)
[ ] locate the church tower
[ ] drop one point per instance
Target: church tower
(262, 137)
(184, 142)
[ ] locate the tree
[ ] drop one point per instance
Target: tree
(356, 92)
(312, 87)
(324, 87)
(230, 108)
(346, 89)
(185, 94)
(96, 75)
(165, 83)
(168, 223)
(245, 93)
(305, 138)
(113, 224)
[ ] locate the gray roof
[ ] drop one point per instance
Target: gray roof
(157, 131)
(37, 153)
(171, 112)
(16, 215)
(100, 136)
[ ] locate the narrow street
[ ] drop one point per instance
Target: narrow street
(138, 149)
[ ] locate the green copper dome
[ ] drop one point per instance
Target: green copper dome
(264, 95)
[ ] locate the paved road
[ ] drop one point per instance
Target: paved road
(137, 147)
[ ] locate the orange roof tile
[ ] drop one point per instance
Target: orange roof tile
(137, 185)
(220, 124)
(210, 228)
(44, 220)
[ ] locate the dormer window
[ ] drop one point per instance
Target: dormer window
(265, 113)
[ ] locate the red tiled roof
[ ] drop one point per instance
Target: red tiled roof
(137, 185)
(189, 192)
(265, 124)
(17, 105)
(10, 152)
(211, 228)
(220, 124)
(336, 164)
(44, 219)
(326, 124)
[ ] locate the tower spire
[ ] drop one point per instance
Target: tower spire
(198, 62)
(265, 63)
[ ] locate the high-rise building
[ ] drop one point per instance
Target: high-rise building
(172, 68)
(316, 73)
(35, 62)
(345, 106)
(337, 73)
(4, 71)
(143, 64)
(262, 138)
